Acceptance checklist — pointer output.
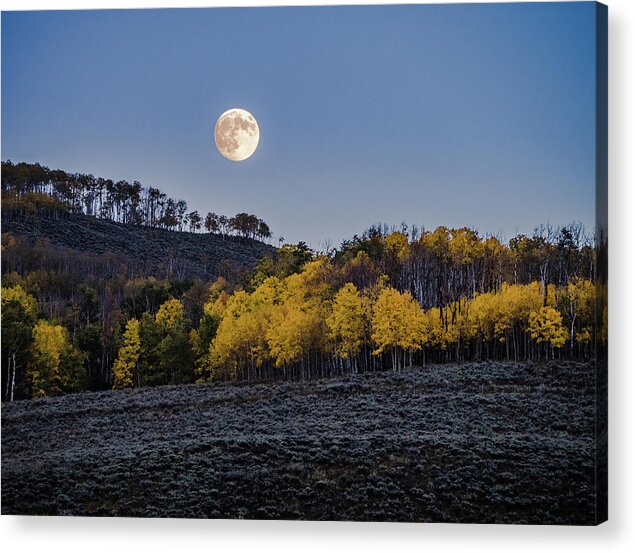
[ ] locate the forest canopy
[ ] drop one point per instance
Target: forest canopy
(388, 298)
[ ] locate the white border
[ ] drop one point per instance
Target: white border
(66, 535)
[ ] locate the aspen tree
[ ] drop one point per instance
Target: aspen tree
(56, 366)
(347, 323)
(125, 366)
(19, 314)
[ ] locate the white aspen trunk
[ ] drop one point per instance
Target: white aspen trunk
(8, 390)
(572, 327)
(13, 377)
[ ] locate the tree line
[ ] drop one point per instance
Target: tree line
(383, 300)
(314, 324)
(32, 190)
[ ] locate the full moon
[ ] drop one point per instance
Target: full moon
(236, 134)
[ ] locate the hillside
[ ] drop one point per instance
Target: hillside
(489, 442)
(150, 251)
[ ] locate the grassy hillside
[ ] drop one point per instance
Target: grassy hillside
(152, 251)
(492, 442)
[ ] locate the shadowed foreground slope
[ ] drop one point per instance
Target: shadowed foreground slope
(497, 442)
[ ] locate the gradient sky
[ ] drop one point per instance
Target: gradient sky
(457, 115)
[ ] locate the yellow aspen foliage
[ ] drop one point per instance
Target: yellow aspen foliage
(193, 340)
(238, 343)
(19, 314)
(295, 330)
(17, 294)
(298, 320)
(438, 242)
(586, 300)
(442, 332)
(48, 341)
(125, 365)
(414, 337)
(546, 325)
(56, 365)
(576, 301)
(217, 306)
(168, 344)
(293, 322)
(461, 326)
(465, 246)
(435, 328)
(219, 287)
(493, 248)
(240, 340)
(218, 296)
(496, 314)
(347, 322)
(397, 243)
(515, 303)
(398, 322)
(312, 284)
(579, 298)
(584, 335)
(170, 315)
(484, 311)
(266, 295)
(551, 299)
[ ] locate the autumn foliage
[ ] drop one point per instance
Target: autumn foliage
(305, 325)
(385, 300)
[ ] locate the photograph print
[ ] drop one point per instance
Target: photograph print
(342, 263)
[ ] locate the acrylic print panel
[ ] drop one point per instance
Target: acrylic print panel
(326, 263)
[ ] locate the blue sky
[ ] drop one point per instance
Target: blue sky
(457, 115)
